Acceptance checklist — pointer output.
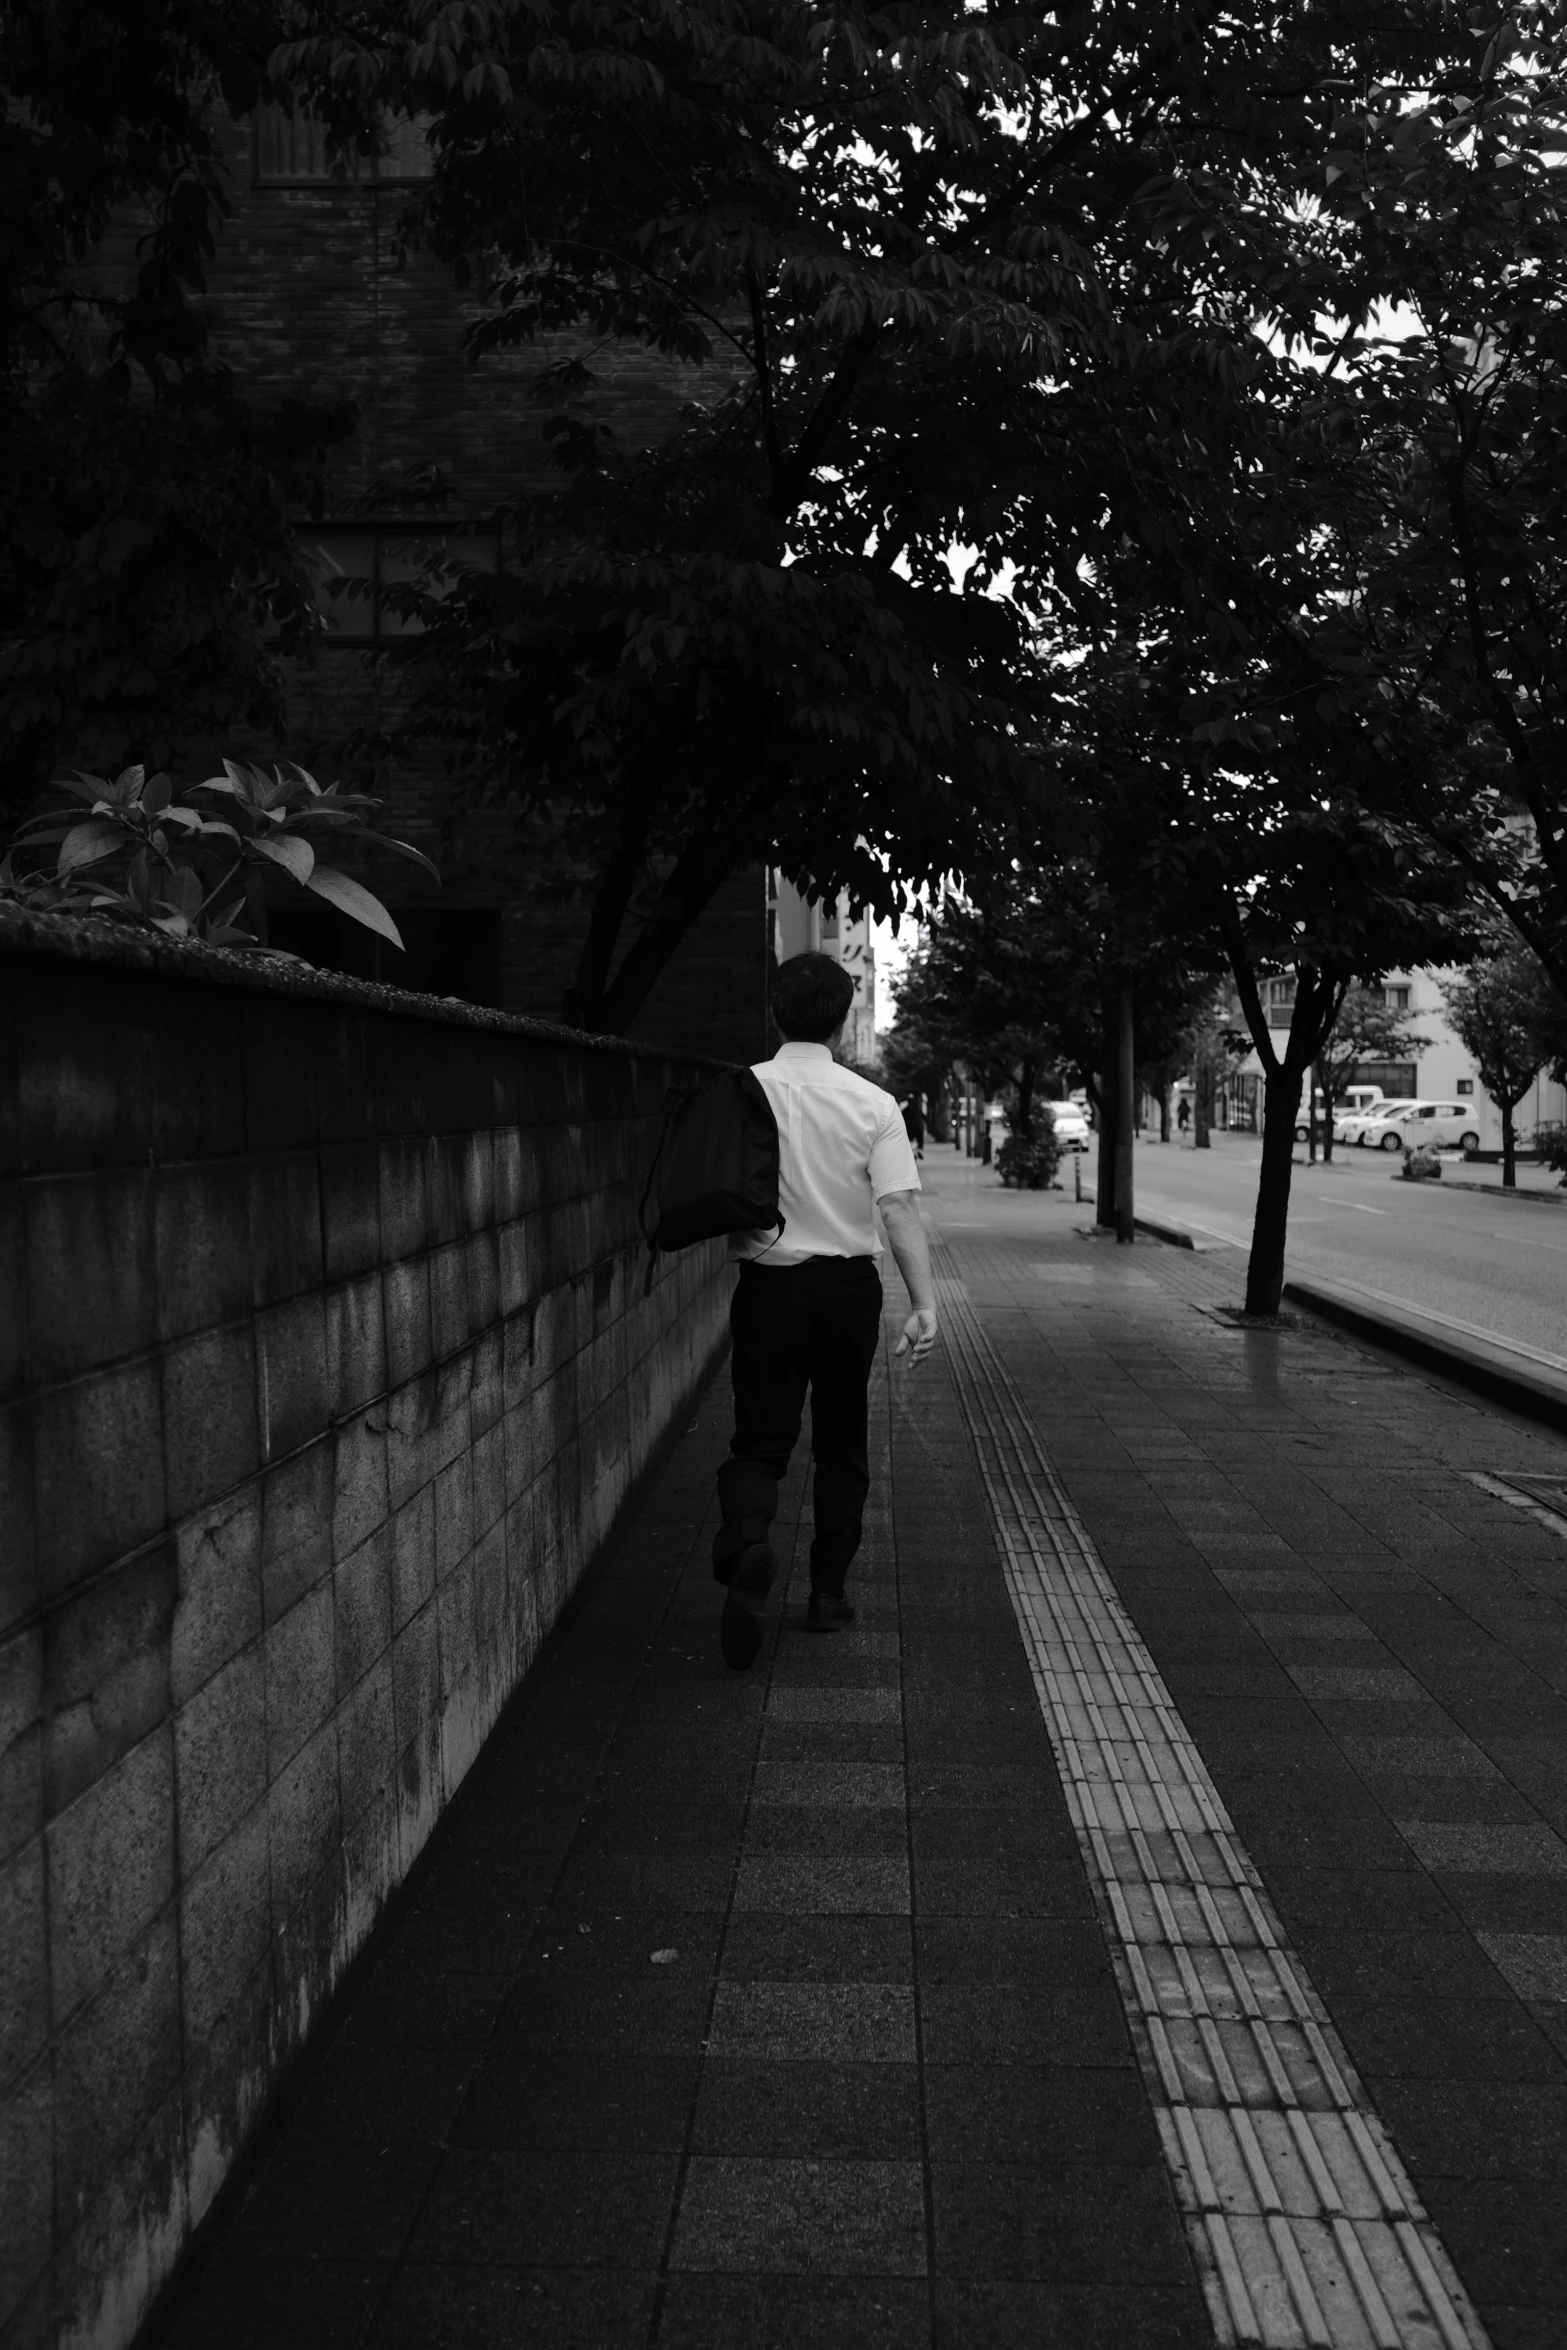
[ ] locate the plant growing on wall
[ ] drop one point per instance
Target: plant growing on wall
(196, 866)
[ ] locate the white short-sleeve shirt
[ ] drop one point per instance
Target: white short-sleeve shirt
(841, 1147)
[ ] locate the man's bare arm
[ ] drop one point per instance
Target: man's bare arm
(900, 1212)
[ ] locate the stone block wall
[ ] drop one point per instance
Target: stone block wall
(324, 1368)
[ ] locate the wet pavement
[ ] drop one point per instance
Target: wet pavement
(1146, 1927)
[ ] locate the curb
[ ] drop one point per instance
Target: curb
(1549, 1199)
(1175, 1235)
(1524, 1382)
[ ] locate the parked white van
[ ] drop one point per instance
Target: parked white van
(1365, 1099)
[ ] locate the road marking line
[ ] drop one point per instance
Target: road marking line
(1304, 2225)
(1359, 1208)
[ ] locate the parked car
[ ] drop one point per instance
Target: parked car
(1352, 1126)
(1365, 1100)
(1423, 1124)
(1071, 1123)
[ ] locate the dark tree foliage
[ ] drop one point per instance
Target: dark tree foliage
(148, 572)
(1017, 982)
(948, 280)
(1394, 542)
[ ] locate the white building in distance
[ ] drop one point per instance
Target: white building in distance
(806, 926)
(1445, 1071)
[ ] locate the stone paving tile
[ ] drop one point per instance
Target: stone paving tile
(1422, 2038)
(794, 2313)
(806, 1883)
(577, 2102)
(1019, 2316)
(311, 2203)
(1103, 2226)
(357, 2098)
(797, 1782)
(837, 2023)
(1534, 1964)
(741, 2213)
(256, 2305)
(548, 2206)
(1491, 1849)
(813, 1947)
(445, 2307)
(831, 2111)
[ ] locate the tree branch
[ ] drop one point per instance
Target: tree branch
(1241, 965)
(764, 378)
(796, 472)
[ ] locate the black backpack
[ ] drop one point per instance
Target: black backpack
(716, 1166)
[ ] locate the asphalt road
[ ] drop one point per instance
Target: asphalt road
(1498, 1265)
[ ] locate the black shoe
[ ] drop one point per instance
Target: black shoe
(740, 1625)
(825, 1612)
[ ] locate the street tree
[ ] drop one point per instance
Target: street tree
(1421, 611)
(962, 298)
(1213, 1048)
(970, 997)
(1327, 896)
(1030, 977)
(1509, 1014)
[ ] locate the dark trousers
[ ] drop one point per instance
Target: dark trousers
(815, 1326)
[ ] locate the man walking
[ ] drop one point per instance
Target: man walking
(807, 1308)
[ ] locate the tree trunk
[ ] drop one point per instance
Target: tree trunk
(583, 1002)
(1025, 1099)
(1327, 1117)
(1104, 1184)
(1125, 1088)
(1265, 1271)
(1509, 1149)
(1202, 1104)
(1164, 1105)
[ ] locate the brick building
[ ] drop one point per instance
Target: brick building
(310, 299)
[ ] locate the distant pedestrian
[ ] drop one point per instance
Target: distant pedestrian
(1183, 1113)
(914, 1124)
(807, 1306)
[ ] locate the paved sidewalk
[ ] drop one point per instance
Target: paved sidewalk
(807, 2007)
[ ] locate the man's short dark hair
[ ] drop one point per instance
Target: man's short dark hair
(811, 996)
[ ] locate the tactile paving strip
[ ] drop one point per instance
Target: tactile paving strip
(1306, 2230)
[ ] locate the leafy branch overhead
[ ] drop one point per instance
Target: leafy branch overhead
(940, 292)
(197, 866)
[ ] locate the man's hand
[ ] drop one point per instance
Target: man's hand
(906, 1231)
(919, 1331)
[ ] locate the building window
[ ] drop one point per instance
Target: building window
(360, 568)
(1465, 1086)
(1396, 998)
(1398, 1079)
(289, 151)
(1281, 1002)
